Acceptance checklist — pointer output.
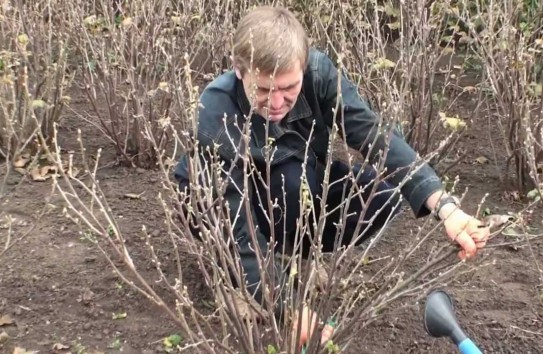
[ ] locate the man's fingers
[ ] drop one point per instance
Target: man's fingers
(469, 248)
(480, 236)
(308, 325)
(480, 243)
(327, 333)
(468, 232)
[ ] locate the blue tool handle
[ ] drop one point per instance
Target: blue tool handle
(468, 347)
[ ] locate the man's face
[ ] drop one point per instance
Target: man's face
(274, 97)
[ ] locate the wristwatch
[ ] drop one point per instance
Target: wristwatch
(443, 201)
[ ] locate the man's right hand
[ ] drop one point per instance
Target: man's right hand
(308, 325)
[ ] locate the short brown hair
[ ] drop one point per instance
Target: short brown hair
(269, 38)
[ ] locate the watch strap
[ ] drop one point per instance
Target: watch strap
(443, 201)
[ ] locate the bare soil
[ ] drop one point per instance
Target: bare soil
(58, 289)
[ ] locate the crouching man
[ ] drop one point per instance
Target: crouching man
(284, 87)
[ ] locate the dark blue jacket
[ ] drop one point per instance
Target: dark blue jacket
(221, 121)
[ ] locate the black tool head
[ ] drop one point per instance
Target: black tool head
(439, 317)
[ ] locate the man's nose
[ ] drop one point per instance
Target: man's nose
(276, 100)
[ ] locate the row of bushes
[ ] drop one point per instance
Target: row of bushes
(145, 59)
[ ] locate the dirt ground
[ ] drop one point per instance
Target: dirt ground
(57, 291)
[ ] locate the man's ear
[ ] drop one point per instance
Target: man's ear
(238, 73)
(236, 68)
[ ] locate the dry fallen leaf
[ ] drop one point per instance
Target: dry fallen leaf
(60, 346)
(19, 350)
(134, 196)
(163, 86)
(46, 170)
(21, 161)
(4, 337)
(481, 160)
(497, 220)
(51, 158)
(511, 195)
(22, 39)
(86, 297)
(469, 89)
(176, 20)
(535, 89)
(168, 162)
(72, 172)
(383, 63)
(247, 307)
(454, 123)
(43, 173)
(119, 316)
(36, 175)
(127, 22)
(512, 231)
(6, 320)
(38, 104)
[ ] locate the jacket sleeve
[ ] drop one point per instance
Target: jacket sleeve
(362, 130)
